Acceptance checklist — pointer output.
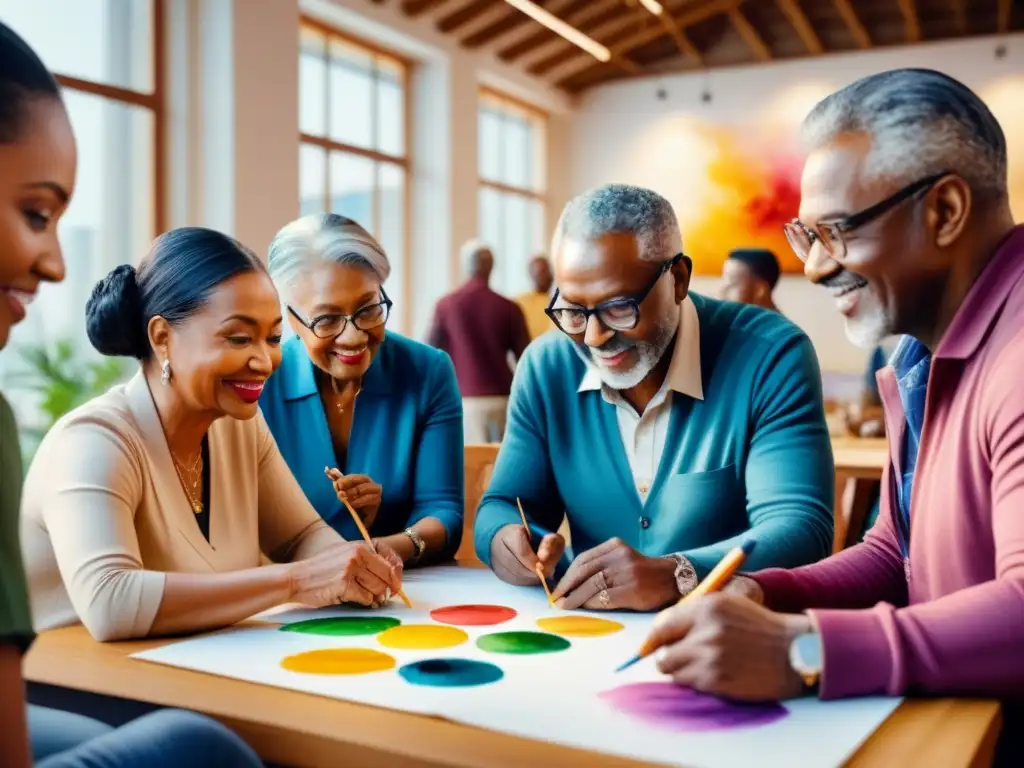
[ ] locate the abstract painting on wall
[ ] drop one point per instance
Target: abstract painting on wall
(749, 188)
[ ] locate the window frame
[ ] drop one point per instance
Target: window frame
(153, 100)
(403, 161)
(489, 94)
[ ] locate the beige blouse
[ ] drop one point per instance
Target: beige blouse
(104, 516)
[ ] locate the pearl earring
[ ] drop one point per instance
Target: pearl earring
(165, 372)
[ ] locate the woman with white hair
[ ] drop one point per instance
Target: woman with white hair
(379, 412)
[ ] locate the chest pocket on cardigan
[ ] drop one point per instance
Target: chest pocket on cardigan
(698, 508)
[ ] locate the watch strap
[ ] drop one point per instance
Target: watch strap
(418, 543)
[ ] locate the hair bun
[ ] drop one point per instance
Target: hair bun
(113, 315)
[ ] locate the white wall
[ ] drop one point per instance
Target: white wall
(624, 133)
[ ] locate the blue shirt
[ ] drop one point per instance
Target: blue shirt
(752, 459)
(406, 435)
(911, 363)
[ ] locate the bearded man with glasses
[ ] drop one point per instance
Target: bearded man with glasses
(666, 426)
(905, 217)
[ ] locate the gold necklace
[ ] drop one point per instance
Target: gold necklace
(191, 487)
(334, 386)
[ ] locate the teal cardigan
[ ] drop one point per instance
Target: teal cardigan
(752, 459)
(406, 435)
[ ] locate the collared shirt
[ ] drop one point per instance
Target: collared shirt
(643, 435)
(954, 621)
(533, 305)
(911, 363)
(478, 328)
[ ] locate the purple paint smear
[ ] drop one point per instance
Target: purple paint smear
(682, 709)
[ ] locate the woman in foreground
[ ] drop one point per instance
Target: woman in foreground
(37, 178)
(146, 510)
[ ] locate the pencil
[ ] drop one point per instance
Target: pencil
(713, 582)
(538, 570)
(366, 535)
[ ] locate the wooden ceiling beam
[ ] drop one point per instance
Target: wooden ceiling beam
(416, 7)
(798, 19)
(687, 17)
(463, 15)
(911, 21)
(849, 17)
(1004, 16)
(750, 35)
(682, 40)
(960, 16)
(512, 20)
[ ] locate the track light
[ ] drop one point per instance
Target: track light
(570, 33)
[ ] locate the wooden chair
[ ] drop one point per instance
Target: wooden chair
(479, 464)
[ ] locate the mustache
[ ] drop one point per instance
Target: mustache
(843, 280)
(610, 348)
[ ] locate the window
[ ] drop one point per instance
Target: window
(105, 54)
(353, 155)
(512, 187)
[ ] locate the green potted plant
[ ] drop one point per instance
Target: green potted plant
(62, 380)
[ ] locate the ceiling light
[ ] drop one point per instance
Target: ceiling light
(653, 6)
(559, 27)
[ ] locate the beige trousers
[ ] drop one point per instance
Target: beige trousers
(483, 419)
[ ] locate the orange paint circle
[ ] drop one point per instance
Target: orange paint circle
(579, 626)
(418, 637)
(338, 661)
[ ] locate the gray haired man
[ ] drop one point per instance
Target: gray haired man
(668, 427)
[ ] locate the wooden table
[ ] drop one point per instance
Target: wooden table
(307, 731)
(859, 462)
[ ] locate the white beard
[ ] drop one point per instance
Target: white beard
(649, 354)
(871, 324)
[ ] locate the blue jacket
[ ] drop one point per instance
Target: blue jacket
(406, 435)
(752, 459)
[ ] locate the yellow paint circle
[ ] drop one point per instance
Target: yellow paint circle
(338, 661)
(578, 626)
(422, 637)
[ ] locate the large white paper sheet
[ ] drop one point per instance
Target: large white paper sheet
(550, 697)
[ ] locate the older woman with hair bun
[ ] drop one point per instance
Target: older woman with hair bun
(146, 510)
(381, 411)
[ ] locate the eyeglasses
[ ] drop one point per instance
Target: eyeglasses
(333, 325)
(830, 233)
(617, 314)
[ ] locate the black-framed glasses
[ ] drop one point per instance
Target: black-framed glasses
(830, 232)
(620, 314)
(333, 325)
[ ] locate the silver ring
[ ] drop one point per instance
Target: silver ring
(387, 594)
(601, 583)
(603, 598)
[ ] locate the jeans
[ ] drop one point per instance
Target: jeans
(165, 739)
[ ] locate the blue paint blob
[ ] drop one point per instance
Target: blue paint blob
(450, 673)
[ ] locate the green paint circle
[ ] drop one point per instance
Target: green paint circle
(343, 626)
(522, 642)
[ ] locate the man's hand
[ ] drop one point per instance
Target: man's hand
(614, 576)
(730, 646)
(514, 561)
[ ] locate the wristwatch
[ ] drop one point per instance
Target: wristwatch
(805, 657)
(418, 543)
(686, 576)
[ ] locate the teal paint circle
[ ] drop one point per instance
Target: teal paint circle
(522, 643)
(450, 673)
(343, 626)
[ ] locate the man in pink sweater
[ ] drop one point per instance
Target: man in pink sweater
(905, 219)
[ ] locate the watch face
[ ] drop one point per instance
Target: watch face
(807, 654)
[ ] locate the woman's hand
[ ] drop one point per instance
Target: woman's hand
(347, 573)
(360, 491)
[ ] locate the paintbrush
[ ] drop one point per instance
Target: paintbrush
(537, 568)
(714, 581)
(366, 534)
